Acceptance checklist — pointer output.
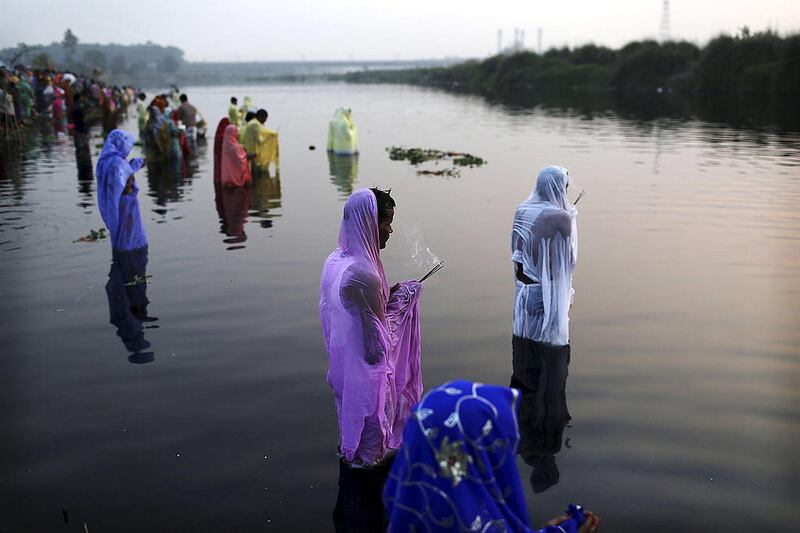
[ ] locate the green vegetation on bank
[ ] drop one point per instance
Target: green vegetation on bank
(759, 64)
(144, 64)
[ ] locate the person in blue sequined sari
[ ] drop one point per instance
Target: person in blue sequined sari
(457, 470)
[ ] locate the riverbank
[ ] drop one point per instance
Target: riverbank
(759, 72)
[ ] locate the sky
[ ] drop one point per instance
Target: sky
(252, 30)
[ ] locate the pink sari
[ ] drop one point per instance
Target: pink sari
(218, 137)
(372, 337)
(235, 169)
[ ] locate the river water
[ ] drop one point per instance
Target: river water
(685, 355)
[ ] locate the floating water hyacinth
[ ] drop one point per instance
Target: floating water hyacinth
(416, 156)
(93, 236)
(138, 280)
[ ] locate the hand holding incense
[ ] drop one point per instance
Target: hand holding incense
(436, 268)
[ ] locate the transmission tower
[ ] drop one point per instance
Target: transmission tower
(663, 33)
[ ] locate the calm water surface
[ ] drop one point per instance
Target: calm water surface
(681, 398)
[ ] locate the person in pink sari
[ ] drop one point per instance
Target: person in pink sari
(59, 121)
(218, 138)
(372, 336)
(235, 168)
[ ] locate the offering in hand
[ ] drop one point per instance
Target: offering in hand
(436, 268)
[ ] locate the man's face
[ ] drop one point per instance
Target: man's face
(385, 227)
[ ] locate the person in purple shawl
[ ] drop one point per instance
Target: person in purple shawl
(116, 192)
(372, 336)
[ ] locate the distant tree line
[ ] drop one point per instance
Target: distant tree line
(115, 63)
(762, 63)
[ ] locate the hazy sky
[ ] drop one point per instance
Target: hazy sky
(375, 29)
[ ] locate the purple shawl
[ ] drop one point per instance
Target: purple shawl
(120, 211)
(372, 338)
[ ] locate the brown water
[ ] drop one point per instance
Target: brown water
(685, 353)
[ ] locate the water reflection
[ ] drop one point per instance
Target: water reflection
(11, 183)
(266, 197)
(343, 170)
(540, 373)
(127, 302)
(83, 160)
(738, 111)
(233, 205)
(359, 503)
(167, 182)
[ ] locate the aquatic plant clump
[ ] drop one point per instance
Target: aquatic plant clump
(93, 236)
(416, 156)
(468, 160)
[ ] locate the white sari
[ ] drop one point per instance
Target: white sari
(544, 240)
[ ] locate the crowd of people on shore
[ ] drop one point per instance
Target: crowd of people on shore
(71, 101)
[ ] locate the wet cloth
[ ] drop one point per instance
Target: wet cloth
(457, 469)
(235, 169)
(120, 211)
(544, 240)
(155, 120)
(141, 118)
(59, 108)
(233, 115)
(218, 138)
(26, 97)
(260, 140)
(372, 338)
(342, 133)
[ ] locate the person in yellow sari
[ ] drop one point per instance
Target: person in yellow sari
(259, 140)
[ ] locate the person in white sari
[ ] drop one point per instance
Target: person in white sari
(544, 246)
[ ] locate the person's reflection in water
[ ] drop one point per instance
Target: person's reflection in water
(127, 301)
(359, 506)
(344, 172)
(83, 160)
(266, 196)
(540, 373)
(164, 185)
(233, 205)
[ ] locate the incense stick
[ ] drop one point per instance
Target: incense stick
(578, 198)
(436, 268)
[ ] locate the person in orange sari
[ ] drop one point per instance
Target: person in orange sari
(235, 171)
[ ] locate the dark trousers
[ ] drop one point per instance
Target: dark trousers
(359, 503)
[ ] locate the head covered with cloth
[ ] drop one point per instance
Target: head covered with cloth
(544, 246)
(116, 192)
(371, 334)
(457, 469)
